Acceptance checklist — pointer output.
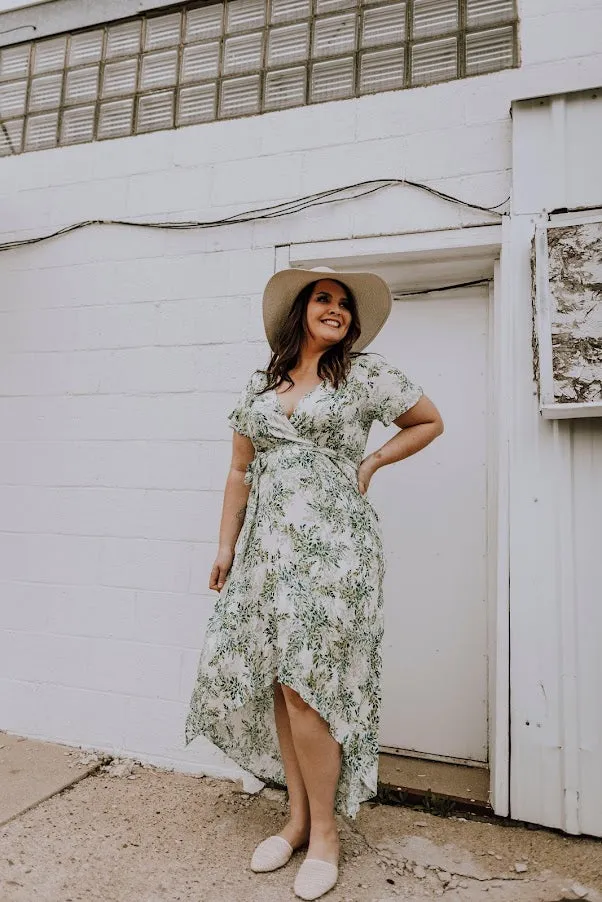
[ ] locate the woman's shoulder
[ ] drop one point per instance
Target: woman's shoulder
(367, 364)
(257, 380)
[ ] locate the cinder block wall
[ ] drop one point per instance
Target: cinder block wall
(122, 350)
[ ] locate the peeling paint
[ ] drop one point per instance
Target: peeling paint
(534, 336)
(575, 282)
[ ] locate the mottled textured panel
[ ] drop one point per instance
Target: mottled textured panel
(575, 280)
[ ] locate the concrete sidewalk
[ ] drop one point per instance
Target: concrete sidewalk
(125, 832)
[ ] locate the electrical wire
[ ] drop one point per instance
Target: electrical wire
(19, 28)
(286, 208)
(423, 291)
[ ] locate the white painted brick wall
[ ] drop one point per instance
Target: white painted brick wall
(122, 350)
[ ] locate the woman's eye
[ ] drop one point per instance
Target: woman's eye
(325, 297)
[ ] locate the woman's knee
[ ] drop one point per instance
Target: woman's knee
(292, 698)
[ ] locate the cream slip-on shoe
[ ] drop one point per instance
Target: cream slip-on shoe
(315, 877)
(271, 853)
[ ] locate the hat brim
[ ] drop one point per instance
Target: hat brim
(371, 292)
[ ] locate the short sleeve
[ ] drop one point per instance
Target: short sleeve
(390, 391)
(238, 418)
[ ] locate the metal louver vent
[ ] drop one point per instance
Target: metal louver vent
(155, 111)
(285, 88)
(200, 61)
(77, 125)
(244, 15)
(334, 35)
(85, 48)
(11, 137)
(239, 96)
(433, 17)
(487, 51)
(123, 40)
(384, 25)
(49, 55)
(382, 70)
(329, 6)
(290, 10)
(120, 78)
(489, 12)
(288, 44)
(116, 118)
(243, 53)
(41, 131)
(332, 80)
(14, 62)
(162, 31)
(45, 93)
(12, 99)
(203, 23)
(159, 69)
(434, 61)
(81, 85)
(196, 104)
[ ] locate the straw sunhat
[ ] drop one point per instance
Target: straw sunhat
(372, 295)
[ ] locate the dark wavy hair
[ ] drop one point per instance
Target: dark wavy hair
(334, 364)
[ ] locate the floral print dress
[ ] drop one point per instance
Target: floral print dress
(302, 602)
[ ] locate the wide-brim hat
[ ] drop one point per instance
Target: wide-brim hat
(371, 292)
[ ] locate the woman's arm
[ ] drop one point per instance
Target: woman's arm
(419, 426)
(236, 494)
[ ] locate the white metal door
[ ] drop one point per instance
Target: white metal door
(433, 509)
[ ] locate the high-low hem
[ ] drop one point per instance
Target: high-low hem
(303, 600)
(346, 803)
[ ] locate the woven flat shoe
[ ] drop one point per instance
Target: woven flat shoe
(271, 853)
(314, 878)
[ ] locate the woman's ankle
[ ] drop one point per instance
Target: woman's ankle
(325, 829)
(296, 834)
(299, 824)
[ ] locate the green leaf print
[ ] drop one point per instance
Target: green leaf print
(303, 600)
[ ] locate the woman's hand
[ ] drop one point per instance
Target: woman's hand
(365, 472)
(221, 568)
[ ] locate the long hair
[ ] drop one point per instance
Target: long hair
(334, 364)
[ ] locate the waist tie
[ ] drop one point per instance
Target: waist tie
(258, 465)
(259, 462)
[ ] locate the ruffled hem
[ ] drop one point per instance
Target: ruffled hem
(352, 788)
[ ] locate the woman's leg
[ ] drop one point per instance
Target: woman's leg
(296, 831)
(319, 758)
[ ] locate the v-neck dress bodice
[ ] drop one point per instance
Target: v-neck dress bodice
(310, 392)
(302, 602)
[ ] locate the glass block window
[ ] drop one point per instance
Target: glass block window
(197, 62)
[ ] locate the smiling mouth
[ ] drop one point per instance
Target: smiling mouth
(331, 322)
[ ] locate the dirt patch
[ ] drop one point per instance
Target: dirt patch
(141, 834)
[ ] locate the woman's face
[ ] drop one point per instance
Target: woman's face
(328, 313)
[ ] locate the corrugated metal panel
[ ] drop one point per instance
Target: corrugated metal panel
(586, 472)
(555, 504)
(556, 152)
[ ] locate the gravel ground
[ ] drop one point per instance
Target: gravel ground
(136, 833)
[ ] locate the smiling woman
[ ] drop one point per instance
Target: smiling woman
(288, 681)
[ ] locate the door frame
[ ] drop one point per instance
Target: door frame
(434, 259)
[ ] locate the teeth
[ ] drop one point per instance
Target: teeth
(330, 322)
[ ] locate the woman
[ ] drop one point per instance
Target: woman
(289, 676)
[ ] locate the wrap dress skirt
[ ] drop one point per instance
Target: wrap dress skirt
(303, 601)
